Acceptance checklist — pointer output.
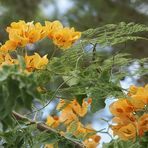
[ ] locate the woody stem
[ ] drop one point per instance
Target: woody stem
(45, 128)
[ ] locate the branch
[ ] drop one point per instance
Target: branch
(94, 52)
(44, 127)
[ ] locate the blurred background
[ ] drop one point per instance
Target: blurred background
(82, 14)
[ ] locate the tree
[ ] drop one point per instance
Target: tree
(80, 78)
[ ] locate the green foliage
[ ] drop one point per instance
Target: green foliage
(144, 140)
(123, 144)
(23, 136)
(80, 76)
(113, 34)
(80, 72)
(26, 136)
(16, 138)
(91, 73)
(17, 90)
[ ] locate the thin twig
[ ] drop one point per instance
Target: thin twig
(51, 98)
(44, 127)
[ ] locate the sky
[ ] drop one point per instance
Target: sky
(62, 5)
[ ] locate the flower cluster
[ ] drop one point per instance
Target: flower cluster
(5, 59)
(131, 115)
(63, 37)
(32, 62)
(22, 33)
(69, 117)
(35, 62)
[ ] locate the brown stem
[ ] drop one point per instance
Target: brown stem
(44, 127)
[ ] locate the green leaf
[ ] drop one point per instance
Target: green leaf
(17, 90)
(97, 104)
(122, 144)
(80, 98)
(112, 34)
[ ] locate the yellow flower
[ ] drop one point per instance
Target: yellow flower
(143, 124)
(9, 45)
(51, 146)
(140, 98)
(6, 59)
(64, 38)
(35, 62)
(92, 142)
(53, 121)
(132, 90)
(128, 122)
(2, 56)
(17, 33)
(52, 27)
(23, 33)
(123, 109)
(125, 132)
(61, 104)
(70, 110)
(40, 62)
(78, 109)
(41, 89)
(79, 128)
(67, 115)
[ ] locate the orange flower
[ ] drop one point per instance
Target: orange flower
(118, 120)
(2, 56)
(128, 118)
(80, 110)
(70, 110)
(125, 132)
(61, 104)
(51, 146)
(123, 109)
(92, 142)
(53, 121)
(22, 33)
(80, 129)
(140, 98)
(67, 115)
(6, 59)
(81, 132)
(52, 27)
(143, 124)
(35, 62)
(64, 38)
(89, 100)
(132, 90)
(9, 45)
